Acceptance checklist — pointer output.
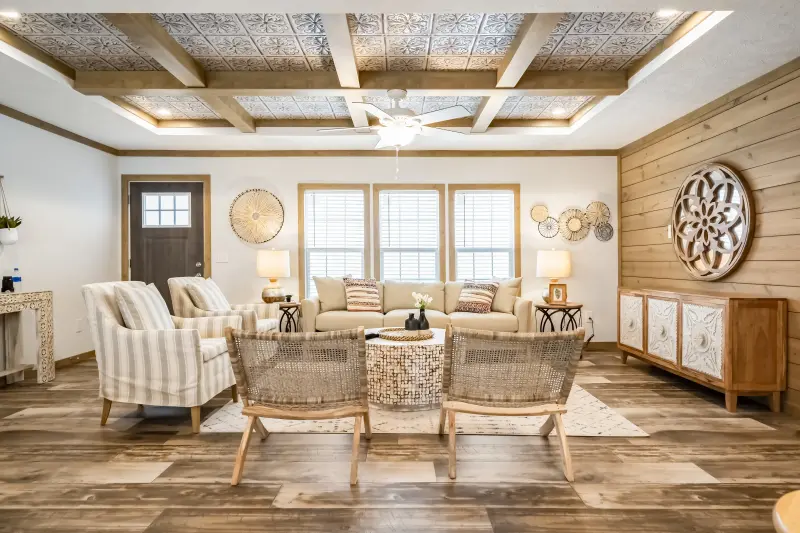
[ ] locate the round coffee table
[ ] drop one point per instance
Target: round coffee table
(405, 375)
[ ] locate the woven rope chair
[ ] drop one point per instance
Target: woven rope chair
(300, 376)
(509, 374)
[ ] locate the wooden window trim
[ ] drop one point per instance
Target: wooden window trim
(127, 179)
(301, 230)
(451, 196)
(376, 190)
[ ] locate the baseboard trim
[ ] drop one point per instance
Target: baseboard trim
(66, 362)
(602, 347)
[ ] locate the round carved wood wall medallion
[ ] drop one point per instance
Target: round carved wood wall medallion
(712, 221)
(256, 216)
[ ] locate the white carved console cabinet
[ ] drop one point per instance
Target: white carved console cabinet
(11, 305)
(730, 343)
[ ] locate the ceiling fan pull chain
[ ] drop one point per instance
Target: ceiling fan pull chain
(396, 162)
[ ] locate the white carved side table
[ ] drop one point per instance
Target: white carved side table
(11, 306)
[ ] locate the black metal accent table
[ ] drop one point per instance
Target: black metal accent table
(289, 321)
(570, 316)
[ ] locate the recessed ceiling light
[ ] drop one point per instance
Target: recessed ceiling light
(164, 112)
(559, 111)
(666, 13)
(10, 15)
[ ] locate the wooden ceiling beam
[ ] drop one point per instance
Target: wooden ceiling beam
(156, 41)
(231, 110)
(468, 83)
(487, 110)
(344, 59)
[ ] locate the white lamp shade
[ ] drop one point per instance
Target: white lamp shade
(553, 264)
(273, 264)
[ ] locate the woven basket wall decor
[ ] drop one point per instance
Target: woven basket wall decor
(539, 213)
(573, 225)
(598, 213)
(256, 216)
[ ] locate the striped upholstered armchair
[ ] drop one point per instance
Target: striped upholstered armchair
(182, 367)
(255, 317)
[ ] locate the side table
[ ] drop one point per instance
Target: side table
(289, 321)
(570, 316)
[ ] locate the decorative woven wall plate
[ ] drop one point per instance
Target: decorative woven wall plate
(598, 213)
(256, 216)
(604, 231)
(573, 225)
(713, 222)
(548, 227)
(539, 213)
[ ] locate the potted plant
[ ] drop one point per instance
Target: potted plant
(8, 229)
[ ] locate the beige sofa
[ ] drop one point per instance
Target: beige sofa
(328, 311)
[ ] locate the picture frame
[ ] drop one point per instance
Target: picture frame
(558, 293)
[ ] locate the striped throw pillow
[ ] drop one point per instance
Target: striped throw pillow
(477, 296)
(206, 295)
(362, 295)
(143, 307)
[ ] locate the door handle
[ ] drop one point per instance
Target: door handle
(198, 275)
(198, 264)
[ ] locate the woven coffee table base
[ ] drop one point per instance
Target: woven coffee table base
(405, 377)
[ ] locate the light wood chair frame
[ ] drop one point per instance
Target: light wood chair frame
(554, 410)
(254, 412)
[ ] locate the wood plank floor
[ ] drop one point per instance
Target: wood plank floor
(701, 470)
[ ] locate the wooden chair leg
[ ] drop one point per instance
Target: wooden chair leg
(354, 458)
(262, 431)
(196, 419)
(238, 466)
(140, 409)
(367, 426)
(624, 358)
(106, 411)
(775, 402)
(234, 393)
(442, 417)
(451, 445)
(562, 437)
(731, 399)
(548, 426)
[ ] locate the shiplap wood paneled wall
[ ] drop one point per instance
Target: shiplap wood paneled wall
(755, 130)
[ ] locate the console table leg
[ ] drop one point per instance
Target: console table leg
(775, 402)
(731, 398)
(624, 358)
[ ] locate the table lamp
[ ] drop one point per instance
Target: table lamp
(273, 264)
(554, 264)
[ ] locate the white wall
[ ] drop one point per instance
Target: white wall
(68, 197)
(558, 182)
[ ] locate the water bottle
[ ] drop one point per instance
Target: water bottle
(16, 277)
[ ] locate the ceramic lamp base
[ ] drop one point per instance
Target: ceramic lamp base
(273, 292)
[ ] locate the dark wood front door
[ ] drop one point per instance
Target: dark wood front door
(166, 232)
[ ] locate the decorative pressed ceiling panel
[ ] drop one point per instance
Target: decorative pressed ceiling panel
(295, 107)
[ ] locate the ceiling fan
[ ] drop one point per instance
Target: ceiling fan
(399, 125)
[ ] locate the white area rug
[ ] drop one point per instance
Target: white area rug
(586, 417)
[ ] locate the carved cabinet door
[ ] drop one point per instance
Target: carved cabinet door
(703, 338)
(631, 320)
(662, 329)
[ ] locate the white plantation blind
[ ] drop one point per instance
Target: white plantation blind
(483, 223)
(409, 234)
(334, 234)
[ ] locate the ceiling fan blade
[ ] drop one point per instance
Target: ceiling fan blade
(338, 130)
(440, 132)
(448, 113)
(372, 109)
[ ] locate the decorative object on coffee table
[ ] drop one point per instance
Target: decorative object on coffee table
(548, 228)
(546, 315)
(403, 334)
(289, 321)
(573, 225)
(553, 264)
(421, 301)
(539, 213)
(405, 375)
(598, 213)
(256, 216)
(273, 264)
(604, 231)
(411, 323)
(712, 222)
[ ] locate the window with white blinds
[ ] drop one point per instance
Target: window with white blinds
(334, 234)
(483, 227)
(408, 233)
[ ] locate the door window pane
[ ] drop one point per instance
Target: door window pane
(166, 210)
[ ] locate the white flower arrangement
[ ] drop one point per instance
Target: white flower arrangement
(421, 301)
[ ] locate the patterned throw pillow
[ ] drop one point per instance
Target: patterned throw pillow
(143, 307)
(477, 296)
(206, 295)
(362, 295)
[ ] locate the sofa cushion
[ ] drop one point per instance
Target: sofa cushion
(207, 295)
(452, 290)
(211, 348)
(331, 293)
(362, 295)
(336, 320)
(397, 318)
(507, 294)
(143, 307)
(486, 321)
(397, 294)
(267, 324)
(477, 296)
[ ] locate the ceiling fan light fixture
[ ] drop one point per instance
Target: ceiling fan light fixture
(398, 135)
